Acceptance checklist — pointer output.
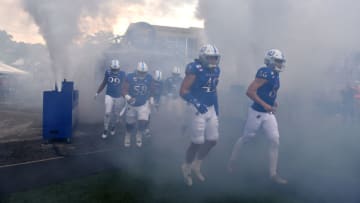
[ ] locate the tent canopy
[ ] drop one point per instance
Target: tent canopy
(6, 69)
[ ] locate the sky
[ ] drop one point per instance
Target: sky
(21, 26)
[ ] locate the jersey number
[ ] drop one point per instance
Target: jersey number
(210, 85)
(140, 89)
(114, 80)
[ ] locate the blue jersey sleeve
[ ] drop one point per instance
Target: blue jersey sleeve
(264, 73)
(106, 75)
(191, 69)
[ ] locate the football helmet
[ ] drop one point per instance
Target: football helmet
(176, 71)
(115, 64)
(157, 75)
(209, 56)
(275, 59)
(141, 69)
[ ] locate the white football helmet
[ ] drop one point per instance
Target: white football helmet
(176, 71)
(115, 64)
(275, 59)
(141, 69)
(209, 56)
(158, 75)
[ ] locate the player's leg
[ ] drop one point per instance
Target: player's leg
(271, 129)
(147, 131)
(143, 118)
(253, 123)
(131, 128)
(113, 116)
(211, 138)
(118, 107)
(107, 117)
(197, 137)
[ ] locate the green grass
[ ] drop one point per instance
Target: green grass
(110, 186)
(321, 151)
(117, 186)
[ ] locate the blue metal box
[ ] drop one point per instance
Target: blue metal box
(60, 112)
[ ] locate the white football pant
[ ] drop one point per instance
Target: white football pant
(255, 121)
(113, 108)
(203, 126)
(135, 113)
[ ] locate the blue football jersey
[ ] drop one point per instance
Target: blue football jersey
(173, 84)
(268, 91)
(139, 88)
(206, 81)
(114, 81)
(158, 89)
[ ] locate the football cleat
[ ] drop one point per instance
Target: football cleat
(186, 171)
(104, 135)
(112, 132)
(127, 140)
(147, 133)
(279, 180)
(139, 139)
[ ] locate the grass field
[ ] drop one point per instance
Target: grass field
(318, 155)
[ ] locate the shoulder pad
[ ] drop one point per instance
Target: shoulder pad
(193, 68)
(265, 73)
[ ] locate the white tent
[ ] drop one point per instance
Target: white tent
(6, 69)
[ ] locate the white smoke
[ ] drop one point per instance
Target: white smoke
(60, 24)
(313, 35)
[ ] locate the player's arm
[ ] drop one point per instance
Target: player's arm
(102, 86)
(252, 93)
(216, 105)
(125, 88)
(187, 96)
(125, 92)
(186, 84)
(152, 92)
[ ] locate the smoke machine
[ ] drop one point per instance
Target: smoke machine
(60, 112)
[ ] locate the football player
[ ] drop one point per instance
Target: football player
(138, 94)
(263, 91)
(199, 88)
(158, 87)
(114, 101)
(173, 83)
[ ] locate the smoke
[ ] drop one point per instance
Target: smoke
(316, 38)
(67, 28)
(59, 24)
(312, 34)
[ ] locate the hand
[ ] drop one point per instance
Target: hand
(151, 101)
(269, 109)
(96, 94)
(131, 101)
(276, 104)
(201, 108)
